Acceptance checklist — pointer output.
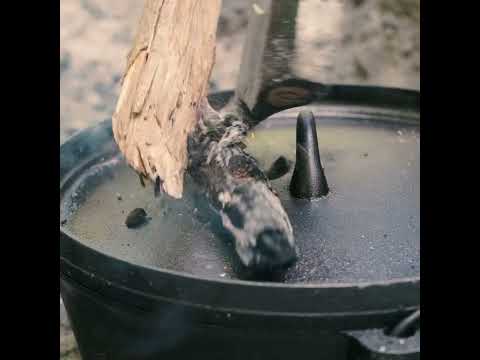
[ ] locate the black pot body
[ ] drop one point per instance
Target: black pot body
(107, 329)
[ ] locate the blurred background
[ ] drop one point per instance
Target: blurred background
(374, 42)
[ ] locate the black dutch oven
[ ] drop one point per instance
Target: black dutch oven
(125, 301)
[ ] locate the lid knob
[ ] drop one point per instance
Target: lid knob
(308, 180)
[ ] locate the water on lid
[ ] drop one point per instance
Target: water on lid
(366, 229)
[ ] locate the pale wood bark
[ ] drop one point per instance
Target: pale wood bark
(164, 84)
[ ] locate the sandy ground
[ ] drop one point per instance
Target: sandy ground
(368, 42)
(374, 42)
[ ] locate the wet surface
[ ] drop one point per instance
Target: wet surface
(366, 229)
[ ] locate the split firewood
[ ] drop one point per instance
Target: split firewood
(164, 126)
(163, 87)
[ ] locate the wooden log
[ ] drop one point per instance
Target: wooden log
(164, 124)
(165, 82)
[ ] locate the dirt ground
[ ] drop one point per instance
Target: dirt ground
(374, 41)
(368, 42)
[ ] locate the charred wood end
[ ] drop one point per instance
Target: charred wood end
(241, 193)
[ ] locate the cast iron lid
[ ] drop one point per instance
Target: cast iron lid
(359, 246)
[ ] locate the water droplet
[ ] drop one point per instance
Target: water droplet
(222, 275)
(382, 349)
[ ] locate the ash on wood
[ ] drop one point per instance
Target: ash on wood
(163, 124)
(240, 191)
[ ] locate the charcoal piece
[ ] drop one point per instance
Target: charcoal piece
(136, 218)
(280, 167)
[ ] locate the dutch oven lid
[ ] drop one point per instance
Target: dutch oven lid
(392, 287)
